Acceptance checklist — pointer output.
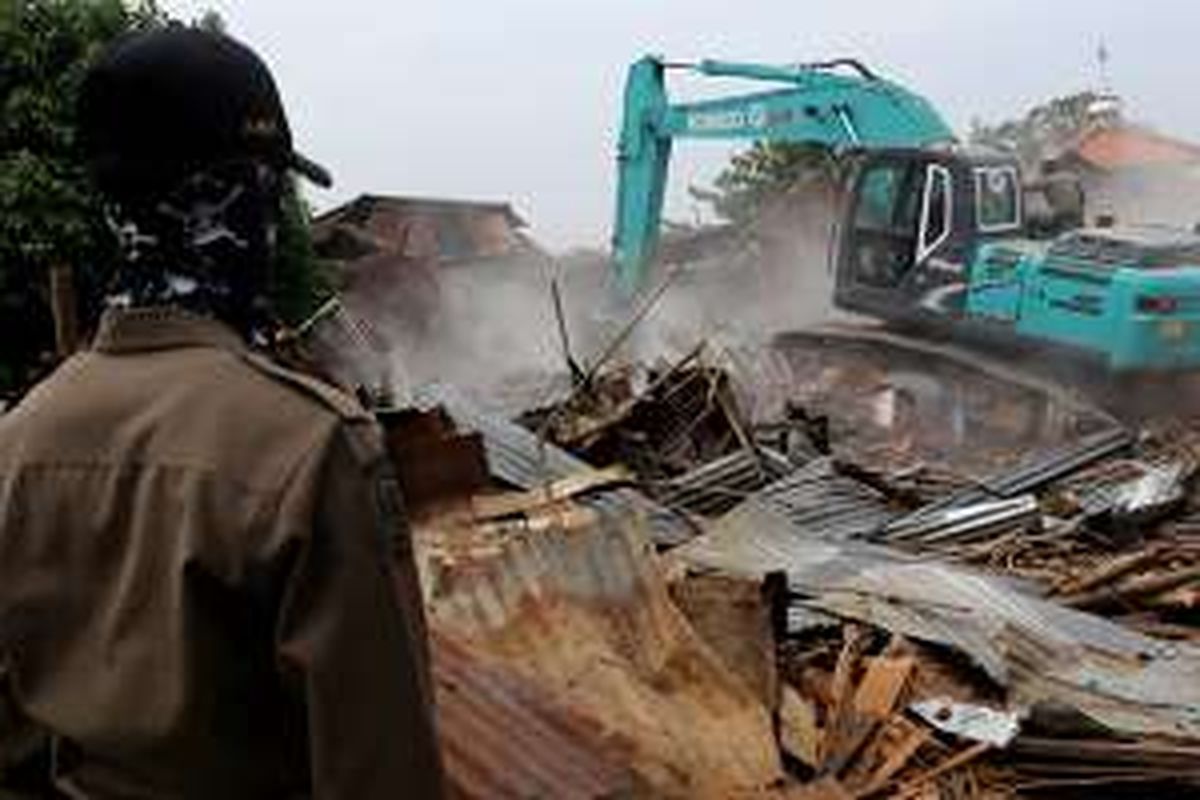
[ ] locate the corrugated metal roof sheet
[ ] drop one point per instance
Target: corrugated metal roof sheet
(503, 737)
(820, 502)
(1043, 469)
(962, 524)
(716, 487)
(580, 609)
(1040, 650)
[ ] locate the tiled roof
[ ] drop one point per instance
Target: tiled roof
(1117, 148)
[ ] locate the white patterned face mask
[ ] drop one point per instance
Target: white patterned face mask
(204, 224)
(206, 246)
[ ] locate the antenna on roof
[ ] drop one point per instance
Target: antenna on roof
(1107, 109)
(1102, 58)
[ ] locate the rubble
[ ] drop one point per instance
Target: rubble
(824, 570)
(1037, 649)
(717, 486)
(895, 405)
(686, 415)
(520, 459)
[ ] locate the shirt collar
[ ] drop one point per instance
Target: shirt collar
(129, 330)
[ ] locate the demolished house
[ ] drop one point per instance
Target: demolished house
(422, 229)
(397, 262)
(835, 567)
(386, 251)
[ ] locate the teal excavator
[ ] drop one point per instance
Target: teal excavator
(932, 234)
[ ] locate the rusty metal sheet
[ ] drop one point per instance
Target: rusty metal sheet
(734, 616)
(505, 738)
(434, 463)
(578, 606)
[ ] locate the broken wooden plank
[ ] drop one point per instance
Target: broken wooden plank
(860, 713)
(1133, 591)
(485, 507)
(622, 412)
(915, 785)
(799, 735)
(883, 686)
(886, 755)
(1111, 570)
(845, 728)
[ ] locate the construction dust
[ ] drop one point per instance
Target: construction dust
(491, 327)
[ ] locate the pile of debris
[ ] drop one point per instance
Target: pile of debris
(686, 415)
(796, 574)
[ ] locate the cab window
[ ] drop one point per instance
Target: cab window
(877, 201)
(936, 210)
(997, 198)
(882, 241)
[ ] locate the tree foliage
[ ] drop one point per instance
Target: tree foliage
(300, 280)
(1043, 132)
(764, 173)
(48, 212)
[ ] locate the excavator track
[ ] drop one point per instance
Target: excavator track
(1135, 400)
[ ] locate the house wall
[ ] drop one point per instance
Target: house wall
(443, 233)
(1162, 195)
(492, 234)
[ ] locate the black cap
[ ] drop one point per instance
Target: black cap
(162, 104)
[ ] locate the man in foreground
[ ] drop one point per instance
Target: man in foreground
(198, 590)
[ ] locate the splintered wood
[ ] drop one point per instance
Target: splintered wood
(889, 752)
(848, 725)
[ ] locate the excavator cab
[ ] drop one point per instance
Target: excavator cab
(912, 223)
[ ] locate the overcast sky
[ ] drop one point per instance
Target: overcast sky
(519, 99)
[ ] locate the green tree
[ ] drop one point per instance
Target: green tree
(301, 281)
(1045, 130)
(765, 173)
(48, 212)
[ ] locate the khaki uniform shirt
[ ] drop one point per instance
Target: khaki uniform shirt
(198, 594)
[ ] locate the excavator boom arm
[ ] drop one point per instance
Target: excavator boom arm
(815, 105)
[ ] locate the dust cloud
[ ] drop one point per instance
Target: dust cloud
(489, 326)
(774, 276)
